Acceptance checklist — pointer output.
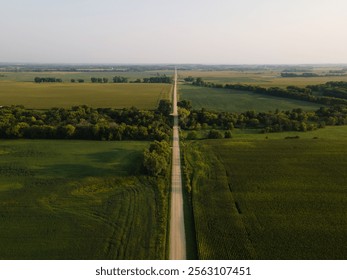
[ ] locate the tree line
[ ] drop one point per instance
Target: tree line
(277, 121)
(294, 75)
(293, 92)
(311, 74)
(102, 80)
(331, 89)
(78, 80)
(47, 80)
(99, 80)
(83, 122)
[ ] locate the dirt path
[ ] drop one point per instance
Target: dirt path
(177, 231)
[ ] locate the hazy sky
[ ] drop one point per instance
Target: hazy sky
(174, 31)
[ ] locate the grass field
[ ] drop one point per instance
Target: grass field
(79, 200)
(43, 96)
(275, 198)
(238, 101)
(268, 78)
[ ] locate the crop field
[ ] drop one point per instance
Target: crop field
(268, 78)
(65, 95)
(275, 198)
(79, 200)
(238, 101)
(26, 76)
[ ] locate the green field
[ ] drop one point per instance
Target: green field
(238, 101)
(27, 76)
(79, 200)
(65, 95)
(275, 198)
(264, 78)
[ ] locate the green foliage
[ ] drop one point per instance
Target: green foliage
(119, 79)
(192, 135)
(83, 122)
(294, 120)
(228, 134)
(158, 79)
(99, 80)
(47, 80)
(215, 134)
(185, 104)
(189, 79)
(331, 89)
(164, 107)
(156, 159)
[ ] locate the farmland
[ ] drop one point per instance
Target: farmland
(238, 101)
(28, 76)
(255, 196)
(65, 95)
(270, 77)
(258, 197)
(79, 200)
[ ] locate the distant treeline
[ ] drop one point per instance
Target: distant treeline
(47, 80)
(78, 80)
(311, 74)
(293, 92)
(117, 79)
(332, 89)
(82, 122)
(294, 120)
(99, 80)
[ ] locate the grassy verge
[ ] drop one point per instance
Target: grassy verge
(189, 223)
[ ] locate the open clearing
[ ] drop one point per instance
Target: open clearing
(275, 198)
(239, 101)
(66, 95)
(79, 200)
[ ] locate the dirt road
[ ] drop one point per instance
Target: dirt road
(177, 231)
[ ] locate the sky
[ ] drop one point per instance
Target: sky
(175, 31)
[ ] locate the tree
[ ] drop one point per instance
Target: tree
(105, 80)
(154, 163)
(119, 79)
(228, 134)
(68, 130)
(164, 107)
(186, 104)
(192, 135)
(162, 148)
(189, 79)
(37, 80)
(73, 81)
(215, 134)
